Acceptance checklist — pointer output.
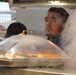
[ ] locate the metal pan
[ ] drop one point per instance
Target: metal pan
(32, 62)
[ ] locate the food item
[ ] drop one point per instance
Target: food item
(2, 54)
(40, 55)
(13, 56)
(20, 56)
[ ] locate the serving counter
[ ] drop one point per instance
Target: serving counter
(36, 56)
(36, 71)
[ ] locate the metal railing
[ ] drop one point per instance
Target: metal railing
(7, 16)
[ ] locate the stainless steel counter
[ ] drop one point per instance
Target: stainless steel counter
(36, 71)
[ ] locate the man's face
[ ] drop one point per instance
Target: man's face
(53, 24)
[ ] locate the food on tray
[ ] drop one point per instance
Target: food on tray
(18, 56)
(2, 54)
(13, 56)
(10, 56)
(40, 55)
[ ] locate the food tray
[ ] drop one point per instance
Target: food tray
(32, 63)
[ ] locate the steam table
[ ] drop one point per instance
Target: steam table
(36, 71)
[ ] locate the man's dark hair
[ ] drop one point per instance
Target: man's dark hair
(63, 13)
(15, 28)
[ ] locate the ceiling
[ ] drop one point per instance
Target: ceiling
(47, 0)
(41, 1)
(68, 3)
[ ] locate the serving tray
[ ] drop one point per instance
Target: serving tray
(32, 62)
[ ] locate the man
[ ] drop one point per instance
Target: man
(54, 23)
